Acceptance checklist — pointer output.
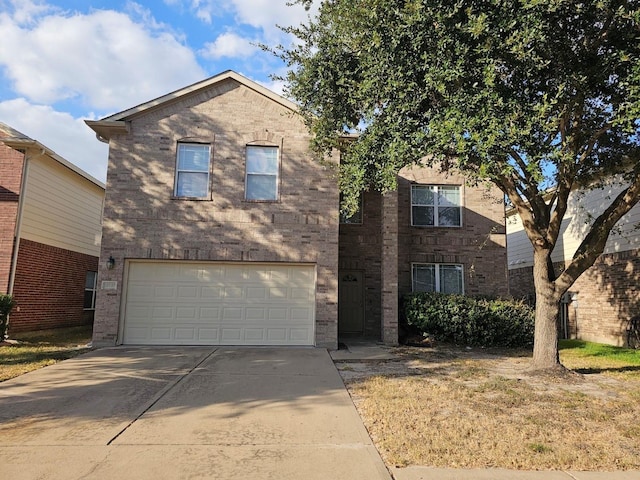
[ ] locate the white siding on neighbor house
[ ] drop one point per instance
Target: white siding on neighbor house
(62, 208)
(583, 208)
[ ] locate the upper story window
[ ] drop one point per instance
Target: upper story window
(435, 206)
(261, 182)
(437, 277)
(90, 282)
(192, 170)
(356, 218)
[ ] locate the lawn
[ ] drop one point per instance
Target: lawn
(35, 350)
(451, 407)
(588, 358)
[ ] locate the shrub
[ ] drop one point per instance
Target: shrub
(474, 321)
(6, 305)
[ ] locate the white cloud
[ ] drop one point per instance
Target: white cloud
(67, 136)
(104, 59)
(204, 9)
(266, 14)
(263, 15)
(25, 11)
(229, 45)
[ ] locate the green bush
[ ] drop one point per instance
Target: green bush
(474, 321)
(6, 305)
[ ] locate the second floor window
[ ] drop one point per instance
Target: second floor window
(192, 170)
(435, 206)
(261, 182)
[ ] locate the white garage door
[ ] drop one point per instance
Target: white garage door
(180, 303)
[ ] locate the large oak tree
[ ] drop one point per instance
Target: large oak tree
(539, 97)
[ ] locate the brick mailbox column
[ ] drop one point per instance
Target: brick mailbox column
(389, 297)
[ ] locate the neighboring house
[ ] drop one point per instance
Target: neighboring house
(602, 301)
(223, 229)
(50, 225)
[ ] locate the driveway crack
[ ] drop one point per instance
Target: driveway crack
(161, 394)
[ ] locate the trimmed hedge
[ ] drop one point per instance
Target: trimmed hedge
(473, 321)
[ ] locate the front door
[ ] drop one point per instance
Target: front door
(350, 302)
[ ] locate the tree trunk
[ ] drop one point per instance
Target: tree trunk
(545, 344)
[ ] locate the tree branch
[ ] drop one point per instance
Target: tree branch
(593, 244)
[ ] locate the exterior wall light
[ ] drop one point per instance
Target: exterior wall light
(111, 262)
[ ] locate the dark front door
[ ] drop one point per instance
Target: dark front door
(350, 302)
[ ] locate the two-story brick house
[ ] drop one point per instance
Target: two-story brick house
(221, 228)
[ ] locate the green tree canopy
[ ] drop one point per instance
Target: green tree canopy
(536, 96)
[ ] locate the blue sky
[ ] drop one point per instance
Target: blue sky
(65, 61)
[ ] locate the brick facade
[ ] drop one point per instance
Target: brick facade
(360, 250)
(49, 288)
(11, 162)
(479, 245)
(142, 219)
(607, 296)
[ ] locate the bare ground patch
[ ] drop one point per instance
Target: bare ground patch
(457, 408)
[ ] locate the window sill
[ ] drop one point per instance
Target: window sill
(437, 226)
(192, 199)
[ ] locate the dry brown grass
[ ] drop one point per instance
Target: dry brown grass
(454, 408)
(34, 350)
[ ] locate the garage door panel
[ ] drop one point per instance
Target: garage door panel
(208, 335)
(161, 333)
(256, 293)
(185, 334)
(233, 274)
(187, 313)
(188, 291)
(300, 314)
(277, 335)
(161, 312)
(208, 303)
(299, 335)
(255, 314)
(209, 313)
(301, 294)
(211, 292)
(142, 291)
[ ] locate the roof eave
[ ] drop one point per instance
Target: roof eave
(27, 145)
(194, 88)
(105, 129)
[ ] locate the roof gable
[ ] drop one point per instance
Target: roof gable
(19, 141)
(117, 123)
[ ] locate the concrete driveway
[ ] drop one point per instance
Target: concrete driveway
(190, 412)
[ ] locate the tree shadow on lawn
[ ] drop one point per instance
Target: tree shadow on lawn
(591, 371)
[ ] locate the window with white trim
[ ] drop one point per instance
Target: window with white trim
(435, 206)
(437, 277)
(192, 170)
(261, 182)
(90, 288)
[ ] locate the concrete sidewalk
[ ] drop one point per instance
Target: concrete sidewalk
(192, 412)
